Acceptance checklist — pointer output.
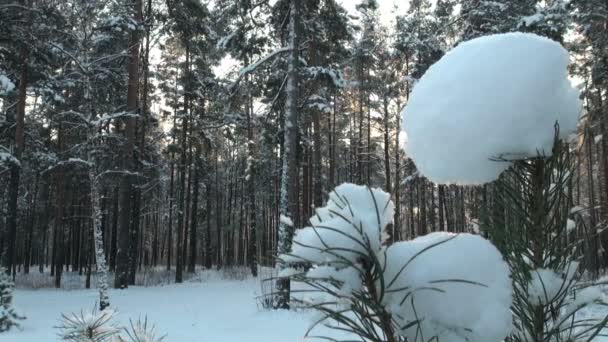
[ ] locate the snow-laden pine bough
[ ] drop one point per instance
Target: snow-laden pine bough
(441, 286)
(9, 317)
(100, 326)
(500, 109)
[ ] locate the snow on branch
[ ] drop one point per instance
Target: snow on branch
(252, 67)
(442, 286)
(113, 116)
(68, 162)
(8, 158)
(6, 85)
(335, 75)
(224, 41)
(501, 95)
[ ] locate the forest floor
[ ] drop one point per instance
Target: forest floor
(206, 308)
(209, 307)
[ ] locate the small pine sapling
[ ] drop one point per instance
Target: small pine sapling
(94, 326)
(8, 315)
(420, 290)
(530, 222)
(141, 331)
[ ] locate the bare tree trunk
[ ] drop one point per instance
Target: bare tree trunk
(30, 227)
(288, 205)
(182, 182)
(194, 221)
(15, 168)
(218, 215)
(251, 176)
(100, 256)
(397, 234)
(387, 159)
(208, 254)
(59, 216)
(441, 207)
(368, 158)
(592, 255)
(114, 239)
(331, 120)
(422, 228)
(121, 279)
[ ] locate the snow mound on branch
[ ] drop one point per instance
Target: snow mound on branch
(6, 85)
(349, 278)
(544, 286)
(350, 227)
(457, 285)
(494, 97)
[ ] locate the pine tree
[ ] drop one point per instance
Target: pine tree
(288, 204)
(482, 17)
(127, 231)
(8, 316)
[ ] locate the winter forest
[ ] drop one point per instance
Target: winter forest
(303, 170)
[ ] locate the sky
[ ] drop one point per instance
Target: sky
(386, 8)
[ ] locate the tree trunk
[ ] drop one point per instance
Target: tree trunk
(208, 254)
(251, 176)
(288, 204)
(387, 161)
(121, 279)
(15, 168)
(397, 234)
(114, 238)
(441, 206)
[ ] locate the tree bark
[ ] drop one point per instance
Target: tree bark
(288, 202)
(121, 279)
(15, 168)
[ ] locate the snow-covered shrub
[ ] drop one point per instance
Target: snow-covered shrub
(94, 326)
(8, 315)
(504, 102)
(448, 286)
(458, 288)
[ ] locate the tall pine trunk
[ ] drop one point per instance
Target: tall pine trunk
(15, 168)
(288, 202)
(121, 279)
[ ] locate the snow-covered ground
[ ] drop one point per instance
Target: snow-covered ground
(211, 309)
(208, 308)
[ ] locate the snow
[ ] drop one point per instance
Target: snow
(285, 220)
(570, 225)
(209, 309)
(252, 67)
(346, 229)
(494, 97)
(587, 295)
(223, 42)
(348, 277)
(576, 209)
(458, 286)
(6, 85)
(8, 158)
(213, 309)
(545, 286)
(532, 19)
(85, 323)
